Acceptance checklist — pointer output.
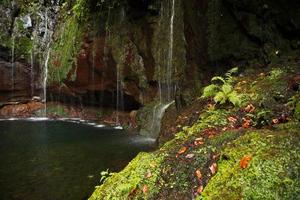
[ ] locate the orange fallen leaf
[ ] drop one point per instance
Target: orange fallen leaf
(249, 108)
(198, 141)
(275, 121)
(213, 168)
(200, 189)
(244, 163)
(182, 150)
(145, 189)
(246, 123)
(232, 119)
(198, 174)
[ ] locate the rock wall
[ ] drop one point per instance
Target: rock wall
(106, 52)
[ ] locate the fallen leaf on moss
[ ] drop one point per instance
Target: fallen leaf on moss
(145, 189)
(275, 121)
(200, 189)
(246, 123)
(249, 108)
(198, 174)
(244, 163)
(153, 164)
(213, 168)
(191, 155)
(182, 150)
(148, 174)
(198, 141)
(232, 119)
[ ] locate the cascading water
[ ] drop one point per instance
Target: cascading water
(165, 83)
(13, 65)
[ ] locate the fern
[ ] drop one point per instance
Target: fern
(222, 90)
(210, 90)
(234, 98)
(227, 89)
(218, 78)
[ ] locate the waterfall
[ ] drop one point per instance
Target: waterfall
(32, 71)
(165, 83)
(170, 57)
(120, 93)
(45, 78)
(13, 65)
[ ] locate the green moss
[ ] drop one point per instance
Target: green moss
(57, 110)
(297, 111)
(132, 179)
(272, 172)
(65, 49)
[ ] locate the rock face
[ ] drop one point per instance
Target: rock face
(17, 81)
(21, 110)
(117, 53)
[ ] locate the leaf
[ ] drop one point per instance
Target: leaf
(218, 78)
(246, 123)
(145, 189)
(182, 150)
(213, 168)
(191, 155)
(198, 141)
(220, 98)
(210, 90)
(200, 189)
(249, 108)
(226, 88)
(244, 163)
(148, 174)
(234, 98)
(198, 174)
(232, 119)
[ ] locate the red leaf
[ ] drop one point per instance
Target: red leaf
(145, 189)
(244, 163)
(213, 168)
(198, 174)
(246, 123)
(198, 141)
(200, 189)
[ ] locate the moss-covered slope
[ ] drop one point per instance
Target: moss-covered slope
(249, 151)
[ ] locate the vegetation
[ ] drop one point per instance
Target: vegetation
(228, 153)
(222, 89)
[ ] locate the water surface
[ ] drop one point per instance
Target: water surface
(58, 160)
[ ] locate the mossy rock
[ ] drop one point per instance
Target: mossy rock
(297, 111)
(272, 171)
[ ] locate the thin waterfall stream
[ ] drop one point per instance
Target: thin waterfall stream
(165, 83)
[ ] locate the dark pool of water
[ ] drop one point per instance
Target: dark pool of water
(57, 160)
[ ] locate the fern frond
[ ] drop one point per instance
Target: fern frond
(227, 88)
(210, 90)
(220, 98)
(218, 78)
(235, 98)
(232, 71)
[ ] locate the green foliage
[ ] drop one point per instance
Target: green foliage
(68, 41)
(222, 89)
(80, 8)
(105, 174)
(57, 110)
